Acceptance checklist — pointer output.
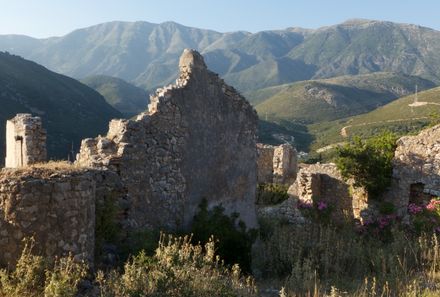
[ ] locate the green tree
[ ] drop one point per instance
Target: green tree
(369, 162)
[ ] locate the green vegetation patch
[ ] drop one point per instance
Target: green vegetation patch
(368, 162)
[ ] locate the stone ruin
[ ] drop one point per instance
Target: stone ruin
(58, 211)
(416, 179)
(25, 141)
(416, 169)
(277, 164)
(196, 141)
(324, 182)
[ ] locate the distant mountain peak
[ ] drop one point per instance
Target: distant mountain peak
(145, 54)
(359, 21)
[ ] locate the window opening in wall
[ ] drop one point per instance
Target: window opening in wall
(20, 138)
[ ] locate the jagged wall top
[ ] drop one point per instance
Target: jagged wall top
(197, 140)
(190, 60)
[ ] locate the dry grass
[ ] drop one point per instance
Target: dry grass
(324, 261)
(43, 170)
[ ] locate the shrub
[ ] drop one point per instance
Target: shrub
(113, 245)
(425, 217)
(369, 162)
(270, 194)
(178, 269)
(63, 279)
(386, 208)
(139, 240)
(235, 241)
(35, 277)
(27, 279)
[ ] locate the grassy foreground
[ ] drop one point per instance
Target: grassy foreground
(313, 260)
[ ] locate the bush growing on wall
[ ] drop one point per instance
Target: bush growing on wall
(369, 162)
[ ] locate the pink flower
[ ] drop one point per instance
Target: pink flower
(433, 204)
(414, 209)
(383, 222)
(322, 205)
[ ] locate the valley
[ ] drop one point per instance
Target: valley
(303, 81)
(250, 159)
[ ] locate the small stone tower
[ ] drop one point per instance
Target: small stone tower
(25, 141)
(277, 164)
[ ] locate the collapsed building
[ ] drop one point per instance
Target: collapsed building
(416, 169)
(196, 141)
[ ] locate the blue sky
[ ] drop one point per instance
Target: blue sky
(44, 18)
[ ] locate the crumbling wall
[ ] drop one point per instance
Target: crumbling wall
(416, 162)
(56, 208)
(265, 163)
(277, 164)
(324, 182)
(25, 141)
(197, 141)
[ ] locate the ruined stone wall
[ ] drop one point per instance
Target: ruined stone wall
(416, 162)
(324, 182)
(57, 209)
(25, 141)
(196, 141)
(265, 163)
(277, 164)
(285, 163)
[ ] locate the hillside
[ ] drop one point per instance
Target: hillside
(123, 96)
(70, 110)
(401, 116)
(146, 54)
(329, 99)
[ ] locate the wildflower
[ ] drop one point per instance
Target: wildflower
(383, 222)
(433, 204)
(322, 205)
(414, 209)
(437, 230)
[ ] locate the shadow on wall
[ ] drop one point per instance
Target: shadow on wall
(322, 187)
(415, 180)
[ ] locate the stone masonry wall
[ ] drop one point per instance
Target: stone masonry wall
(197, 141)
(277, 164)
(323, 182)
(285, 164)
(265, 163)
(416, 162)
(25, 141)
(57, 209)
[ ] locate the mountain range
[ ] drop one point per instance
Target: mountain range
(146, 54)
(297, 78)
